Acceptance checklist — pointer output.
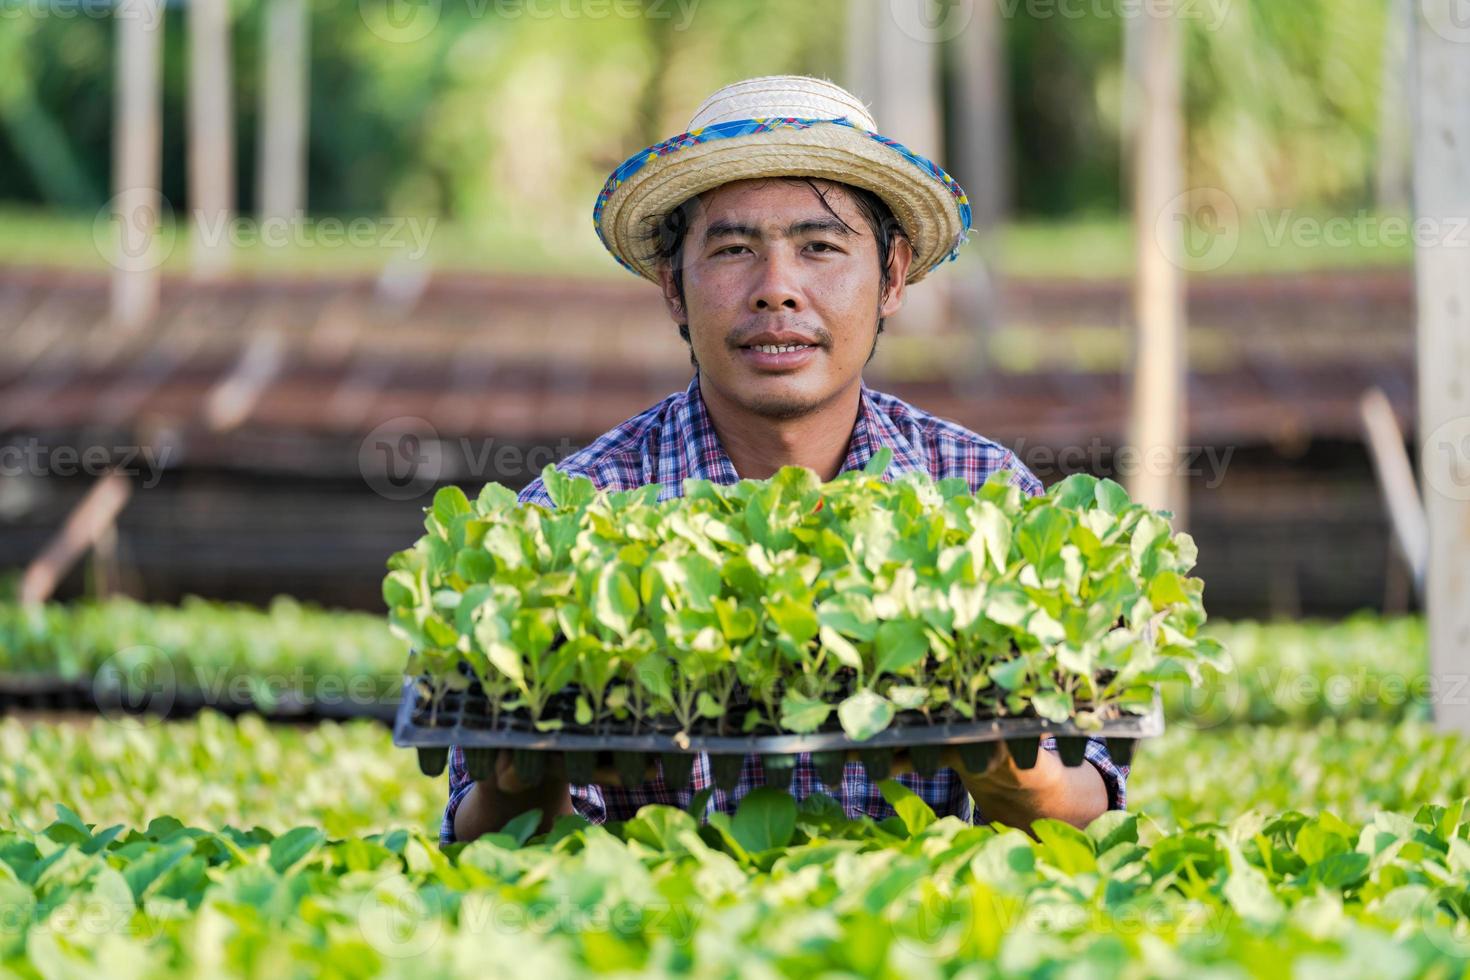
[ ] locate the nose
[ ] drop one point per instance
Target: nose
(775, 288)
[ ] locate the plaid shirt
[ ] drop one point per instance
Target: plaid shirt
(675, 439)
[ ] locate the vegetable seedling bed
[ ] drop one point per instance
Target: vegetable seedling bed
(43, 692)
(467, 719)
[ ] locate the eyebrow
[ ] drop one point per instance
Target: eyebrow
(725, 228)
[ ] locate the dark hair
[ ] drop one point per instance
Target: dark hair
(665, 239)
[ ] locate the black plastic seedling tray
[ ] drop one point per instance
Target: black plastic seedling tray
(462, 718)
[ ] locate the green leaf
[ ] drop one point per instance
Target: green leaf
(795, 621)
(901, 643)
(1042, 535)
(802, 714)
(521, 827)
(878, 464)
(851, 614)
(765, 818)
(294, 846)
(1111, 496)
(842, 650)
(864, 715)
(1053, 705)
(911, 808)
(153, 864)
(616, 602)
(992, 534)
(449, 503)
(1064, 847)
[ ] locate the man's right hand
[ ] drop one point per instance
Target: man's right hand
(491, 804)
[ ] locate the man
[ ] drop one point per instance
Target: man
(782, 230)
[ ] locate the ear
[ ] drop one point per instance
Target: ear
(898, 270)
(671, 294)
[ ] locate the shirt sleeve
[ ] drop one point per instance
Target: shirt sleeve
(589, 802)
(460, 785)
(1021, 476)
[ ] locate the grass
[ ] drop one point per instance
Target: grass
(1090, 248)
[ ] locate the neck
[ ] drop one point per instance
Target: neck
(759, 446)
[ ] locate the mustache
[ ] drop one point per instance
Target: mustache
(818, 335)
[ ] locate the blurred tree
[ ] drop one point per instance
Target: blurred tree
(500, 114)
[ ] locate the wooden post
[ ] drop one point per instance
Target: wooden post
(1394, 154)
(1396, 480)
(981, 165)
(137, 204)
(88, 523)
(1442, 276)
(893, 65)
(211, 137)
(281, 172)
(977, 54)
(1157, 425)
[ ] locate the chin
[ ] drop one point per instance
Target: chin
(777, 403)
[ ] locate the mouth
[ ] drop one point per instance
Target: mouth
(776, 354)
(778, 348)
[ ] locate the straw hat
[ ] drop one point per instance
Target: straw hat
(781, 125)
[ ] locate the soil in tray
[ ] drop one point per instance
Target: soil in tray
(631, 769)
(470, 709)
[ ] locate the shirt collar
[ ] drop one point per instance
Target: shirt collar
(690, 448)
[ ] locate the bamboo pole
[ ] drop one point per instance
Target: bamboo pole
(87, 524)
(137, 204)
(893, 52)
(1157, 423)
(281, 173)
(211, 137)
(1442, 279)
(1396, 480)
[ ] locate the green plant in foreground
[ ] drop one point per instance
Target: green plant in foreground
(774, 605)
(779, 889)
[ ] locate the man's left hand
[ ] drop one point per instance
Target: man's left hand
(1006, 793)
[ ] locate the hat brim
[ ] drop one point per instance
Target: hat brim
(931, 207)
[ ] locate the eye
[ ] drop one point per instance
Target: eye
(828, 246)
(727, 249)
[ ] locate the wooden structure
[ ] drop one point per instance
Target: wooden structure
(1442, 200)
(1156, 429)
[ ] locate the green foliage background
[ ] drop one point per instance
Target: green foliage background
(502, 117)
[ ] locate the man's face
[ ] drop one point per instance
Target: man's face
(782, 301)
